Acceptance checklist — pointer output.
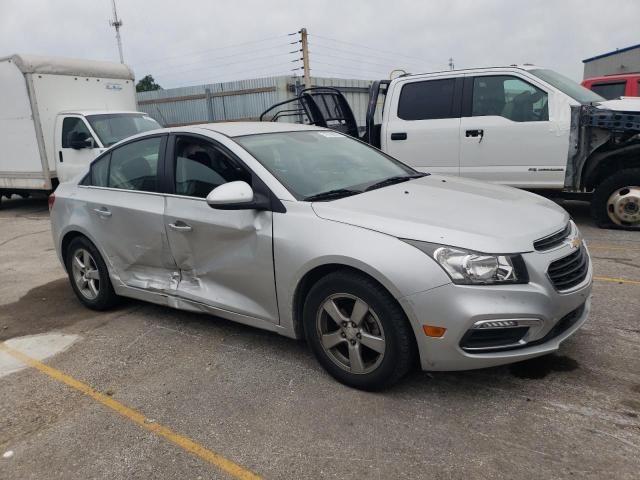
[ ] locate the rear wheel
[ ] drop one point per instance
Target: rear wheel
(88, 275)
(616, 201)
(358, 332)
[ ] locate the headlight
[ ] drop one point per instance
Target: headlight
(472, 268)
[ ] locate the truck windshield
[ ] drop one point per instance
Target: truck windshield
(113, 127)
(567, 86)
(324, 164)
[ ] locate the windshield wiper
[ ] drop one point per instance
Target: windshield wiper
(393, 180)
(332, 194)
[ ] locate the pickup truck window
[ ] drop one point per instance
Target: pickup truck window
(567, 86)
(427, 100)
(509, 97)
(73, 128)
(609, 90)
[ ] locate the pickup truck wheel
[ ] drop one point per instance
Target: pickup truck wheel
(616, 201)
(358, 333)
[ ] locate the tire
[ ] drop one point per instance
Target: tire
(616, 201)
(382, 325)
(91, 282)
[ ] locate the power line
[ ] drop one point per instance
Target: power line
(377, 73)
(159, 60)
(395, 54)
(219, 65)
(209, 59)
(357, 60)
(356, 56)
(217, 79)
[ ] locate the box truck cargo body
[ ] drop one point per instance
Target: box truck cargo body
(57, 114)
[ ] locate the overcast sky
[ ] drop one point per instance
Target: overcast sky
(190, 42)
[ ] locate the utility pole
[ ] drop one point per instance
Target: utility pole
(451, 66)
(117, 23)
(305, 58)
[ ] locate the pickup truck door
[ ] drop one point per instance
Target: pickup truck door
(513, 131)
(75, 146)
(421, 123)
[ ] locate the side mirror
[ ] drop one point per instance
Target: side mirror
(80, 140)
(232, 196)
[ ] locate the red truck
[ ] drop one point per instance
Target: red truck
(615, 86)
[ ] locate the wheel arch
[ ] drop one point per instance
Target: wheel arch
(602, 165)
(312, 276)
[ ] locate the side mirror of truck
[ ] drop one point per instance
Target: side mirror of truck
(80, 140)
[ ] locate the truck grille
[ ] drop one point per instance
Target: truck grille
(569, 271)
(553, 240)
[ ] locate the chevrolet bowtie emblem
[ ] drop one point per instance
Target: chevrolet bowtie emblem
(575, 242)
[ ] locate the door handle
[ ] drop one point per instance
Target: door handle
(102, 211)
(475, 133)
(180, 226)
(399, 136)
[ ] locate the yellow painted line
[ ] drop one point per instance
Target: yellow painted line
(183, 442)
(616, 280)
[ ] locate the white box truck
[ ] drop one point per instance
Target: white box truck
(57, 114)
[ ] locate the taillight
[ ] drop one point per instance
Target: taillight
(52, 199)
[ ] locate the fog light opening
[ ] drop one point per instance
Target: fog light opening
(434, 331)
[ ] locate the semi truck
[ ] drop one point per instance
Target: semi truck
(519, 125)
(57, 114)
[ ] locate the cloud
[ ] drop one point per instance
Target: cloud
(187, 42)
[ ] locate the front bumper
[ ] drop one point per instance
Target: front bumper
(458, 308)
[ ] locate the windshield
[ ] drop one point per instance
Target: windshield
(309, 163)
(113, 127)
(567, 86)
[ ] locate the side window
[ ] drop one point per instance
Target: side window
(509, 97)
(134, 166)
(73, 129)
(427, 100)
(609, 90)
(201, 166)
(100, 172)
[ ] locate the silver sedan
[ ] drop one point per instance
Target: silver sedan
(309, 233)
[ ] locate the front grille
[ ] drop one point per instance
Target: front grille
(569, 271)
(553, 240)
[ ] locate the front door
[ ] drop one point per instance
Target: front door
(509, 136)
(127, 215)
(76, 147)
(423, 125)
(225, 257)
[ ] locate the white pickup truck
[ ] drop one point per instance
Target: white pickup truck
(523, 126)
(57, 114)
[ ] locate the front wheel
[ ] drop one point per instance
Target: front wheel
(616, 201)
(88, 275)
(357, 331)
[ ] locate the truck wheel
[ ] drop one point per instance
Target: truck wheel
(616, 201)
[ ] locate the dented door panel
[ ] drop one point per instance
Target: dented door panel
(130, 229)
(225, 258)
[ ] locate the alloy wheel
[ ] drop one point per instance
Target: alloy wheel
(350, 333)
(85, 274)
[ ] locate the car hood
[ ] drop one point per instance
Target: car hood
(451, 211)
(623, 104)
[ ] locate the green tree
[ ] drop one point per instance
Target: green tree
(147, 84)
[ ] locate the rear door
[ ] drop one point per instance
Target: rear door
(422, 123)
(127, 214)
(225, 257)
(511, 133)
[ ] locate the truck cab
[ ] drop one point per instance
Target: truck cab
(615, 86)
(80, 136)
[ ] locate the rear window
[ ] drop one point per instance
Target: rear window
(427, 100)
(609, 90)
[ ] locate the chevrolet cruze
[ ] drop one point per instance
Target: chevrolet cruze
(312, 234)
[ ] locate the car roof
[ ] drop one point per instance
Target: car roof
(619, 76)
(237, 129)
